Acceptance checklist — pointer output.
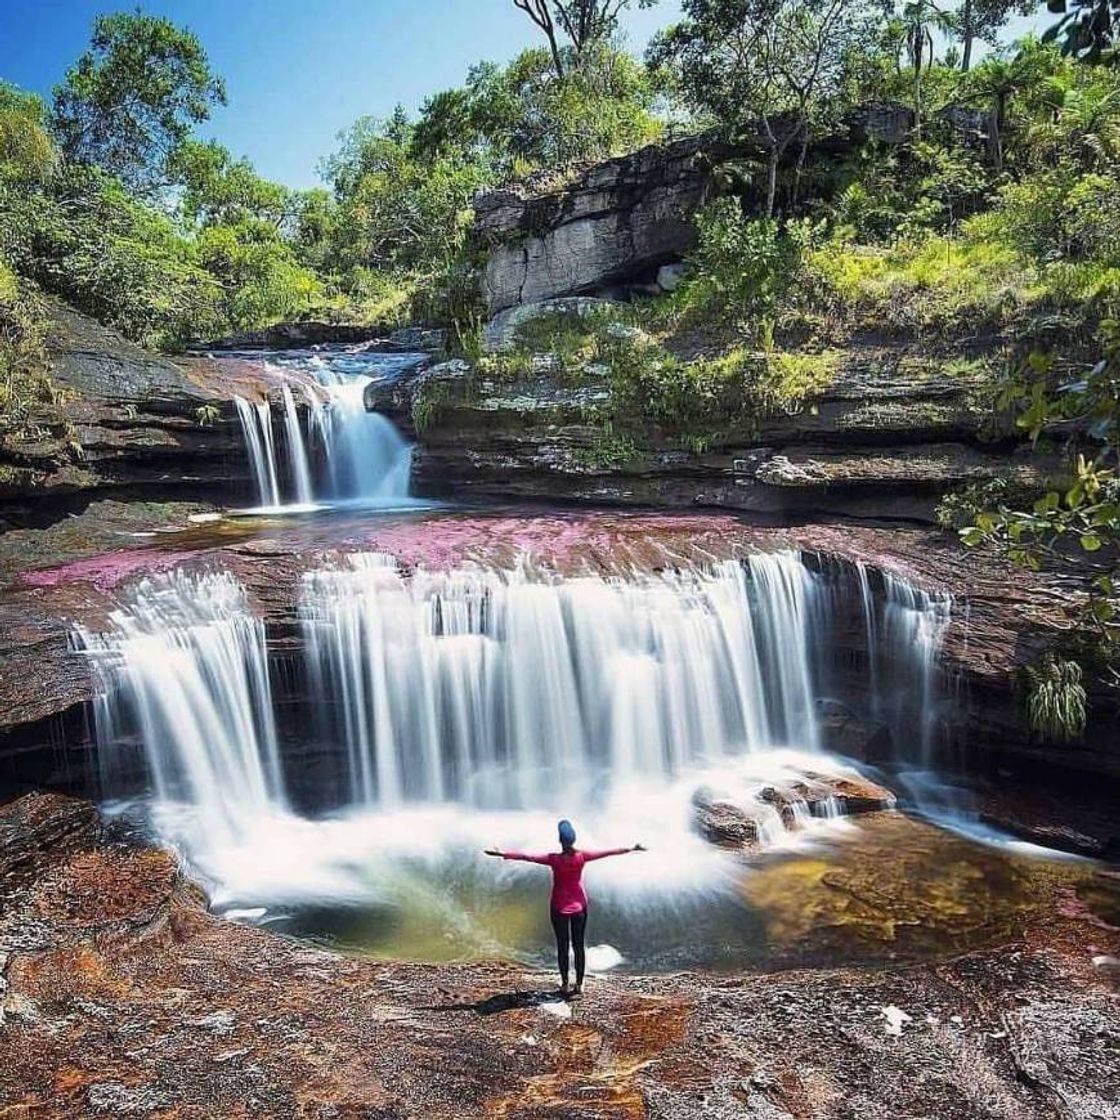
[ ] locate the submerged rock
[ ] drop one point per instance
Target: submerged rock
(747, 822)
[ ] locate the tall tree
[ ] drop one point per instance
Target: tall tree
(133, 97)
(983, 19)
(584, 22)
(921, 21)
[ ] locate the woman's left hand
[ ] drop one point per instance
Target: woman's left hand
(639, 848)
(493, 852)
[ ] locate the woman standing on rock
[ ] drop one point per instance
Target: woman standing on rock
(569, 899)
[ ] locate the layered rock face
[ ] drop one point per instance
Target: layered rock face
(613, 221)
(130, 420)
(618, 221)
(897, 428)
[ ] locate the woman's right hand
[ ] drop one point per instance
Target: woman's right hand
(639, 848)
(493, 852)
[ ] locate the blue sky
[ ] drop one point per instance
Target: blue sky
(298, 71)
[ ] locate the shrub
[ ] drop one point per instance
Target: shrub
(1056, 703)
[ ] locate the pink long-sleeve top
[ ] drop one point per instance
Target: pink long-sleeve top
(568, 895)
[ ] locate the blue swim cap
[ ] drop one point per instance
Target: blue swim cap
(567, 834)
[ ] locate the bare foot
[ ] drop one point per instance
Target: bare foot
(577, 991)
(565, 991)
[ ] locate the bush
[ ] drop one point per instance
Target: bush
(1056, 704)
(25, 385)
(743, 267)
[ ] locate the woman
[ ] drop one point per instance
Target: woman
(569, 899)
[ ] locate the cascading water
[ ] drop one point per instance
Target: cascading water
(360, 456)
(507, 690)
(185, 669)
(256, 426)
(474, 705)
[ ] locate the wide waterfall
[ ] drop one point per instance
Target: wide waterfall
(346, 454)
(498, 690)
(513, 689)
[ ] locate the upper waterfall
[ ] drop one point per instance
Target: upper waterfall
(346, 454)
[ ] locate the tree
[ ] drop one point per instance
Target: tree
(998, 78)
(983, 19)
(27, 154)
(584, 22)
(771, 63)
(219, 190)
(921, 20)
(132, 98)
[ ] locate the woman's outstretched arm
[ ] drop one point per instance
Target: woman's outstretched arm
(589, 856)
(524, 857)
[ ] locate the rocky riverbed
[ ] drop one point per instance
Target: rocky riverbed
(122, 996)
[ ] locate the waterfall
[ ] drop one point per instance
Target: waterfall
(506, 689)
(256, 425)
(366, 457)
(495, 689)
(297, 451)
(783, 605)
(912, 630)
(357, 455)
(185, 669)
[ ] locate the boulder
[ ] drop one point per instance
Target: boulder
(417, 339)
(501, 332)
(612, 222)
(743, 823)
(671, 276)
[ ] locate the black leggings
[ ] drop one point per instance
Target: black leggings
(570, 930)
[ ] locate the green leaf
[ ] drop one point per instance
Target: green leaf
(1090, 542)
(1048, 503)
(972, 535)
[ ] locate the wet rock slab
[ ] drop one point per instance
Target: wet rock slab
(122, 996)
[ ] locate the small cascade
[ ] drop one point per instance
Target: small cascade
(912, 630)
(346, 453)
(297, 451)
(365, 456)
(256, 425)
(185, 670)
(782, 604)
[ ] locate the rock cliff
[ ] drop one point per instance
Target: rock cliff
(616, 222)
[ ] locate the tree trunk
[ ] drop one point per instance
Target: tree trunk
(801, 153)
(918, 86)
(968, 35)
(772, 181)
(998, 117)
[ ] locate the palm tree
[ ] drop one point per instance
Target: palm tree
(1084, 122)
(996, 80)
(920, 20)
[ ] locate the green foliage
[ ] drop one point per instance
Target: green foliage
(133, 97)
(743, 268)
(27, 153)
(1079, 528)
(25, 384)
(1057, 701)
